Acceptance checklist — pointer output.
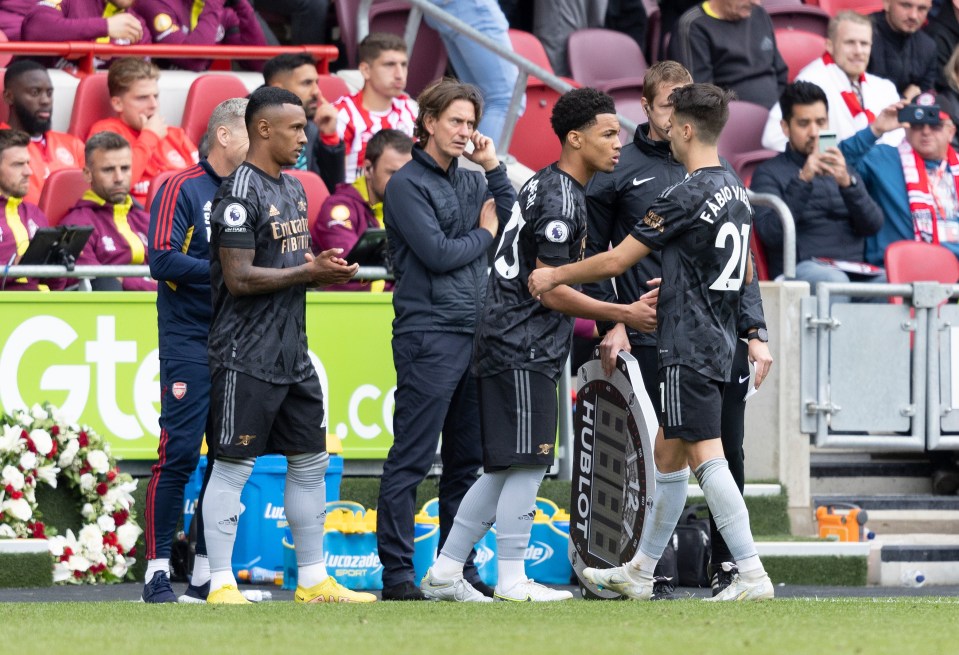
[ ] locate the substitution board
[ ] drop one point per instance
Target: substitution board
(614, 429)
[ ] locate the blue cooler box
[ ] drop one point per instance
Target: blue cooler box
(259, 538)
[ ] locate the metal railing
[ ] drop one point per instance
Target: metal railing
(86, 52)
(789, 228)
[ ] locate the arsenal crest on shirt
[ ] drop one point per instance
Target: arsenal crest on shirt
(179, 390)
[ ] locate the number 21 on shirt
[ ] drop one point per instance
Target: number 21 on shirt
(737, 258)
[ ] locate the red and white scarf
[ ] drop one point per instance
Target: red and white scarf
(851, 98)
(925, 210)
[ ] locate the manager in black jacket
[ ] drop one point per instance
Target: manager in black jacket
(440, 222)
(615, 202)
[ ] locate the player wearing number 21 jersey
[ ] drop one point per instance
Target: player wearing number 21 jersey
(701, 225)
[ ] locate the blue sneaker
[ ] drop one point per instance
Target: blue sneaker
(158, 589)
(195, 594)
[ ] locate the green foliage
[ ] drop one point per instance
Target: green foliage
(832, 570)
(26, 570)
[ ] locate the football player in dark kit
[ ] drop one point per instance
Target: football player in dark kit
(265, 394)
(701, 226)
(614, 201)
(520, 349)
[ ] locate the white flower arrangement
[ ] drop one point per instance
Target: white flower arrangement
(40, 445)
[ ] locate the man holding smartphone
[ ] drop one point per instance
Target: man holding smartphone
(831, 208)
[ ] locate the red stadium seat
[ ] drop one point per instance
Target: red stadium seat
(61, 192)
(90, 104)
(315, 189)
(744, 130)
(799, 17)
(206, 92)
(526, 45)
(607, 60)
(155, 185)
(799, 49)
(333, 87)
(534, 143)
(7, 56)
(917, 261)
(759, 256)
(833, 7)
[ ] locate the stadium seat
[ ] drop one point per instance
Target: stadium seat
(799, 17)
(206, 92)
(654, 34)
(315, 189)
(333, 87)
(607, 60)
(428, 59)
(534, 143)
(91, 103)
(155, 183)
(61, 192)
(798, 49)
(631, 108)
(833, 7)
(759, 256)
(744, 130)
(527, 46)
(745, 163)
(917, 261)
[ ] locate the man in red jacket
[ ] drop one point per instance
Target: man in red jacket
(229, 22)
(354, 208)
(119, 226)
(156, 146)
(20, 220)
(29, 93)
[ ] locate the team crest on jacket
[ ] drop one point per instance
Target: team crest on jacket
(179, 390)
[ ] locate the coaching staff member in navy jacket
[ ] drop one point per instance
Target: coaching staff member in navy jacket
(440, 221)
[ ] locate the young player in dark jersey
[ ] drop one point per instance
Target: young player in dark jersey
(701, 225)
(520, 348)
(265, 394)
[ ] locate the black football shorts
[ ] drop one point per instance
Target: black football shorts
(517, 419)
(691, 404)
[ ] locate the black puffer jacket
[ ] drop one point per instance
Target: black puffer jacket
(438, 252)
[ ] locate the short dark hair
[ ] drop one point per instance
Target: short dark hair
(21, 67)
(104, 141)
(378, 42)
(577, 110)
(706, 106)
(801, 93)
(286, 63)
(388, 138)
(13, 139)
(439, 95)
(268, 96)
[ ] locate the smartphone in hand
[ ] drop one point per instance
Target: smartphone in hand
(827, 140)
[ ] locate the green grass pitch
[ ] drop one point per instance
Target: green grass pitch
(913, 626)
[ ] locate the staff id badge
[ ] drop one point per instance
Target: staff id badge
(615, 427)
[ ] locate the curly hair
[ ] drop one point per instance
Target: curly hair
(577, 110)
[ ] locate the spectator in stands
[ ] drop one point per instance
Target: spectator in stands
(901, 52)
(832, 210)
(307, 18)
(22, 219)
(104, 21)
(119, 226)
(12, 13)
(731, 43)
(324, 152)
(669, 13)
(180, 256)
(28, 91)
(157, 147)
(476, 64)
(951, 92)
(213, 22)
(381, 103)
(916, 184)
(854, 96)
(353, 208)
(555, 20)
(944, 30)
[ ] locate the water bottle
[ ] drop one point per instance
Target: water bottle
(260, 575)
(913, 578)
(257, 596)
